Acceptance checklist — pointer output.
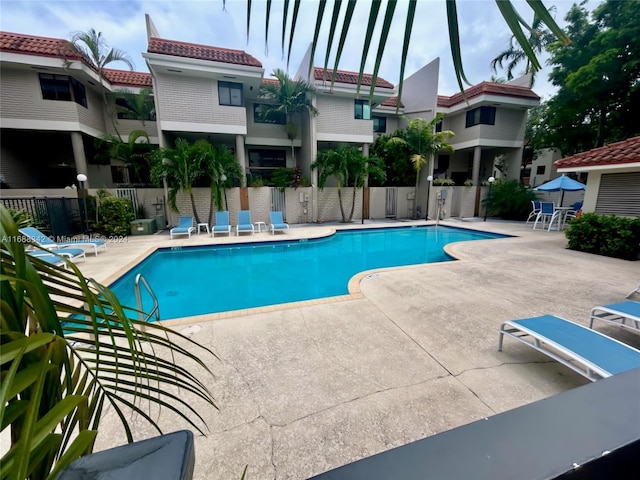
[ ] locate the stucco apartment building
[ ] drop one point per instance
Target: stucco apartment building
(52, 109)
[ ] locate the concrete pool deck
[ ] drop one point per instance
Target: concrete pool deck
(316, 385)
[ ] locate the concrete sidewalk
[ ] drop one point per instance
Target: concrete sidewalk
(305, 389)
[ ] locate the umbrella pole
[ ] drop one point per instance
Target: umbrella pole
(561, 198)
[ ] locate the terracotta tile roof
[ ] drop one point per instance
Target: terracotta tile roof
(271, 81)
(201, 52)
(125, 77)
(626, 151)
(343, 76)
(391, 102)
(32, 45)
(488, 88)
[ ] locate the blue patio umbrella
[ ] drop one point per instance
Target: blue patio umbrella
(561, 184)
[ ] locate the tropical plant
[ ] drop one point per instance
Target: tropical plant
(180, 167)
(59, 375)
(21, 218)
(220, 167)
(607, 235)
(350, 168)
(291, 98)
(136, 106)
(538, 39)
(135, 153)
(92, 46)
(509, 13)
(509, 199)
(444, 182)
(423, 141)
(399, 172)
(116, 215)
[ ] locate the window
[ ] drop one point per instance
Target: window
(262, 163)
(380, 124)
(230, 94)
(439, 126)
(278, 118)
(362, 110)
(540, 170)
(63, 88)
(481, 116)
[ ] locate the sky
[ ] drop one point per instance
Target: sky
(484, 33)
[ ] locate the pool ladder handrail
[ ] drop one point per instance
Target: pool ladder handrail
(156, 307)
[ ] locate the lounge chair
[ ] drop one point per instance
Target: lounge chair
(535, 211)
(277, 223)
(244, 222)
(584, 351)
(44, 241)
(634, 292)
(70, 253)
(49, 258)
(618, 314)
(222, 224)
(185, 227)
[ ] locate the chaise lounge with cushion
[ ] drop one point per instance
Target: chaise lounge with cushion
(277, 223)
(222, 224)
(583, 350)
(36, 236)
(185, 227)
(244, 222)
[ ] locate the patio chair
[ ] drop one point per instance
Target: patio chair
(618, 314)
(547, 209)
(49, 258)
(584, 351)
(244, 222)
(634, 292)
(44, 241)
(222, 224)
(185, 227)
(573, 212)
(277, 223)
(536, 210)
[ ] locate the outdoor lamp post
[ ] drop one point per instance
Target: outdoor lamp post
(223, 178)
(486, 207)
(81, 177)
(429, 180)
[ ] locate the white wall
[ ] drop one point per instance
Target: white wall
(336, 118)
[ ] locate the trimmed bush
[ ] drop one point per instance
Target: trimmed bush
(510, 200)
(607, 235)
(116, 216)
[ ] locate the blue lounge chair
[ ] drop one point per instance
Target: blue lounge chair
(185, 227)
(36, 236)
(49, 258)
(618, 314)
(244, 222)
(277, 223)
(584, 351)
(222, 224)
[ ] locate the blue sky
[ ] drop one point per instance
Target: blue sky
(484, 32)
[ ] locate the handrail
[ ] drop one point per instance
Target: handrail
(156, 307)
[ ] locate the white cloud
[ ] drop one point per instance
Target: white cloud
(483, 31)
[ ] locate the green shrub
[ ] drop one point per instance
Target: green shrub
(282, 177)
(607, 235)
(446, 182)
(510, 200)
(116, 216)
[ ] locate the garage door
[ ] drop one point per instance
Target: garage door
(619, 194)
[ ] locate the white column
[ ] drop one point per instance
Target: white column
(475, 175)
(78, 154)
(241, 158)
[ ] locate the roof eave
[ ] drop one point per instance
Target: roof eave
(594, 168)
(196, 64)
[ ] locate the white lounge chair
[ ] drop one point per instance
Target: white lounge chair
(185, 227)
(244, 222)
(277, 223)
(623, 314)
(584, 351)
(222, 224)
(36, 236)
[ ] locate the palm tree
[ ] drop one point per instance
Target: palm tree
(423, 141)
(350, 168)
(59, 374)
(137, 106)
(220, 166)
(290, 99)
(509, 13)
(93, 46)
(134, 153)
(538, 39)
(181, 166)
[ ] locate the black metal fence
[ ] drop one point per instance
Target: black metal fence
(54, 216)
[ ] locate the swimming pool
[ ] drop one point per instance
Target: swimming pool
(210, 279)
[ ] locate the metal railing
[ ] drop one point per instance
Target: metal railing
(156, 308)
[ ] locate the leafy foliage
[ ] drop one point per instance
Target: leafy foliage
(509, 199)
(607, 235)
(57, 377)
(116, 215)
(599, 78)
(135, 153)
(398, 172)
(350, 168)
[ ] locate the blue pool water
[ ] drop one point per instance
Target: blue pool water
(208, 279)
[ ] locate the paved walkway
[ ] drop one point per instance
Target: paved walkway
(305, 389)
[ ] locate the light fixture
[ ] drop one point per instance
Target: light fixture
(429, 179)
(486, 207)
(81, 177)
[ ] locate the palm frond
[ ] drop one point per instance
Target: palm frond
(371, 24)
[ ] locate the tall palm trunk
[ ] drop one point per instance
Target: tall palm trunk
(193, 206)
(340, 202)
(353, 204)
